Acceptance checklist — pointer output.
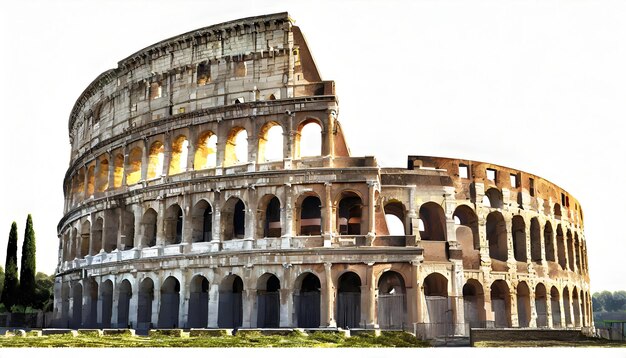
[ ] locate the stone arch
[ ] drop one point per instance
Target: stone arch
(180, 153)
(233, 219)
(155, 160)
(523, 304)
(310, 215)
(106, 296)
(149, 228)
(307, 300)
(560, 244)
(174, 225)
(494, 198)
(570, 250)
(349, 300)
(496, 236)
(96, 239)
(535, 240)
(133, 168)
(85, 235)
(198, 302)
(268, 217)
(518, 230)
(541, 306)
(434, 220)
(392, 307)
(394, 216)
(73, 244)
(77, 305)
(557, 211)
(501, 303)
(230, 307)
(349, 213)
(567, 307)
(102, 176)
(308, 138)
(268, 301)
(144, 304)
(270, 142)
(90, 306)
(170, 301)
(128, 230)
(576, 307)
(125, 292)
(236, 145)
(548, 237)
(206, 152)
(437, 306)
(577, 255)
(474, 303)
(555, 303)
(201, 222)
(65, 305)
(468, 225)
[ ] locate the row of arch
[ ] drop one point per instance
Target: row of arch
(537, 307)
(156, 158)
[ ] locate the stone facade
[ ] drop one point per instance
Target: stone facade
(173, 220)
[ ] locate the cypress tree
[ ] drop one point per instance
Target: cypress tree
(10, 293)
(27, 267)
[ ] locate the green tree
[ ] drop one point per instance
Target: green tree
(43, 292)
(1, 279)
(10, 291)
(598, 303)
(27, 267)
(619, 300)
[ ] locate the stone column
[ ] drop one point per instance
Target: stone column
(249, 297)
(115, 299)
(533, 310)
(371, 209)
(156, 304)
(111, 173)
(214, 292)
(137, 212)
(327, 215)
(160, 234)
(183, 303)
(489, 316)
(562, 308)
(286, 307)
(511, 262)
(167, 154)
(250, 220)
(133, 304)
(513, 301)
(412, 227)
(187, 238)
(412, 291)
(289, 142)
(328, 297)
(145, 159)
(287, 218)
(549, 309)
(329, 134)
(371, 319)
(192, 146)
(125, 165)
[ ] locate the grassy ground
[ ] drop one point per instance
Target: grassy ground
(528, 344)
(251, 339)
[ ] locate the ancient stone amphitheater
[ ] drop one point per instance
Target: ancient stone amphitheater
(210, 185)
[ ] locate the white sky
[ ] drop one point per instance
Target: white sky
(534, 85)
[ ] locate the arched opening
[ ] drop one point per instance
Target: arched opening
(307, 301)
(65, 305)
(198, 302)
(496, 236)
(494, 198)
(501, 303)
(236, 150)
(85, 235)
(467, 227)
(173, 225)
(438, 311)
(577, 250)
(349, 214)
(535, 240)
(206, 154)
(91, 180)
(107, 303)
(144, 304)
(77, 306)
(567, 308)
(201, 222)
(541, 305)
(548, 238)
(518, 230)
(268, 301)
(391, 301)
(149, 226)
(310, 216)
(170, 301)
(270, 143)
(109, 243)
(96, 240)
(128, 230)
(73, 243)
(230, 311)
(560, 244)
(349, 301)
(180, 151)
(555, 304)
(434, 220)
(90, 308)
(474, 303)
(268, 217)
(523, 304)
(395, 218)
(570, 250)
(155, 161)
(309, 139)
(102, 177)
(133, 168)
(557, 211)
(576, 307)
(79, 185)
(123, 304)
(118, 171)
(233, 217)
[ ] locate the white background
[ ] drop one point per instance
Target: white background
(534, 85)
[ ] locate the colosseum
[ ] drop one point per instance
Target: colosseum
(210, 185)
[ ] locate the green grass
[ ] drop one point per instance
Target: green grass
(250, 339)
(529, 344)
